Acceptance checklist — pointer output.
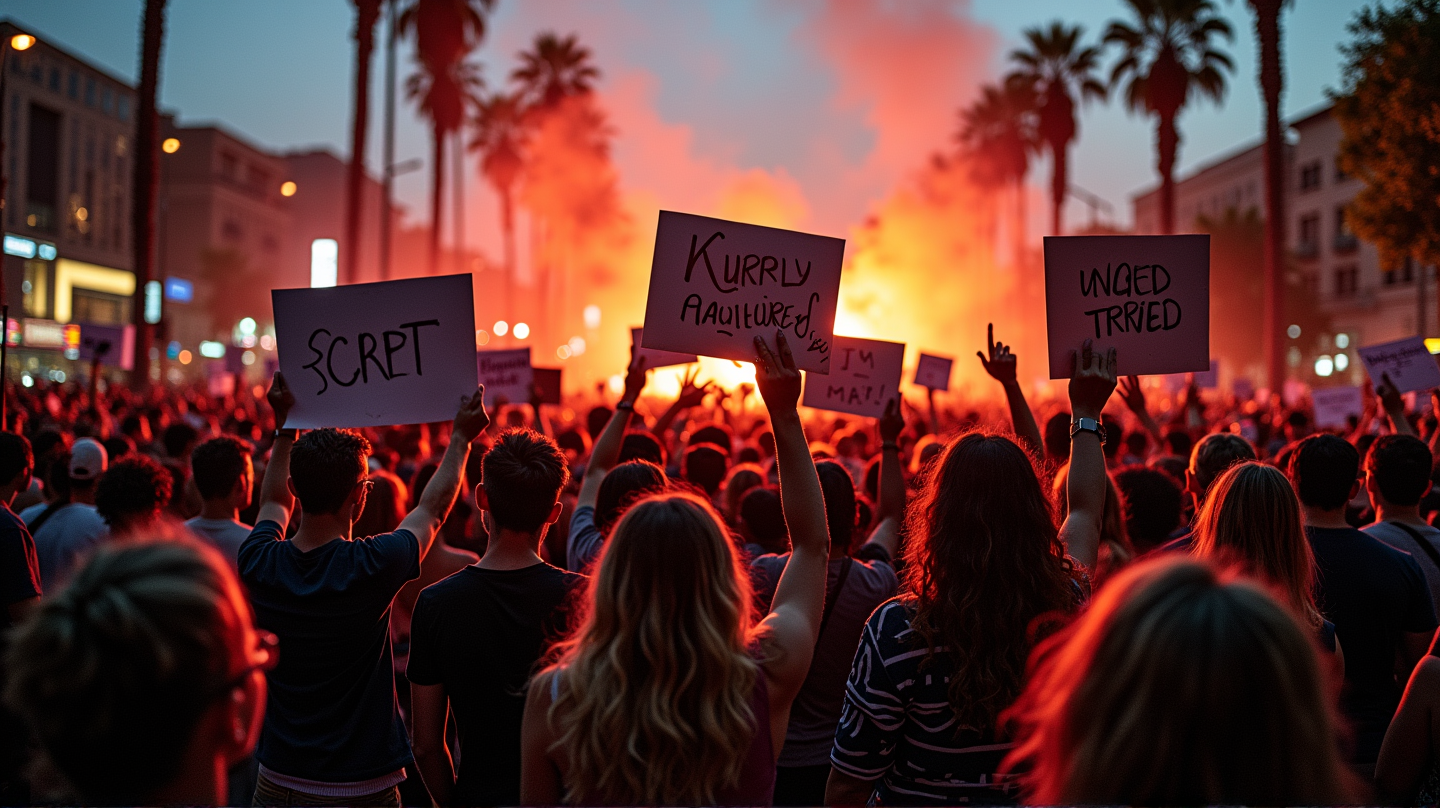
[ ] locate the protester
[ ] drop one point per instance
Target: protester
(1180, 685)
(1407, 771)
(741, 478)
(1374, 594)
(668, 693)
(141, 678)
(762, 522)
(332, 731)
(1152, 506)
(224, 476)
(984, 562)
(132, 495)
(20, 590)
(1397, 477)
(476, 636)
(68, 528)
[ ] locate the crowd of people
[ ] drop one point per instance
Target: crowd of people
(696, 601)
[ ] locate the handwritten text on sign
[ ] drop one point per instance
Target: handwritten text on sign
(1147, 296)
(864, 374)
(375, 354)
(1335, 405)
(715, 285)
(1407, 362)
(506, 375)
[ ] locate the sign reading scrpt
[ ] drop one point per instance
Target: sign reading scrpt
(715, 285)
(864, 374)
(376, 354)
(1146, 296)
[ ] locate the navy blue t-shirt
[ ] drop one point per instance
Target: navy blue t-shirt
(19, 566)
(332, 715)
(1372, 593)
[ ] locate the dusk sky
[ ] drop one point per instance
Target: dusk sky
(819, 108)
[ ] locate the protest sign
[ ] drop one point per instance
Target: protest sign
(864, 374)
(715, 285)
(1146, 296)
(547, 384)
(1407, 361)
(111, 344)
(506, 375)
(376, 354)
(1335, 405)
(933, 372)
(654, 357)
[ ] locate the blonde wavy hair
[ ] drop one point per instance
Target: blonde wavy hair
(653, 689)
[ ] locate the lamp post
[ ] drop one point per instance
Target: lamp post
(18, 42)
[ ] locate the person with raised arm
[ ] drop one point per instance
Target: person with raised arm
(332, 728)
(668, 692)
(1134, 398)
(691, 395)
(984, 563)
(1394, 406)
(1001, 365)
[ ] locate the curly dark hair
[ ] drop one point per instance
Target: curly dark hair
(325, 466)
(983, 564)
(218, 464)
(135, 486)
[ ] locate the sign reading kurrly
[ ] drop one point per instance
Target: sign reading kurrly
(1410, 365)
(376, 354)
(506, 375)
(864, 374)
(1146, 296)
(715, 285)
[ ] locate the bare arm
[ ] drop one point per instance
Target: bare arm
(606, 452)
(890, 511)
(1394, 407)
(1091, 383)
(1409, 747)
(1134, 399)
(540, 782)
(691, 395)
(428, 709)
(439, 495)
(276, 501)
(1001, 365)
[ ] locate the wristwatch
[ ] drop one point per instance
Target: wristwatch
(1087, 425)
(286, 433)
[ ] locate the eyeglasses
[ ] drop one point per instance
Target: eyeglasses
(263, 658)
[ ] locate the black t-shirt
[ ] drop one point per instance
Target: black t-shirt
(1372, 593)
(479, 633)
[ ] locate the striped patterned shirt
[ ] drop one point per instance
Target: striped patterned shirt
(897, 727)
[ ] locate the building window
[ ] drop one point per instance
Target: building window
(1347, 281)
(1345, 241)
(1310, 176)
(89, 92)
(1309, 243)
(73, 86)
(124, 109)
(1403, 274)
(1340, 175)
(106, 100)
(229, 166)
(54, 79)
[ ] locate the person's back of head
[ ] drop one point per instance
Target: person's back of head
(705, 466)
(145, 657)
(1180, 685)
(741, 478)
(982, 526)
(1153, 505)
(1324, 470)
(639, 445)
(717, 435)
(384, 505)
(179, 438)
(1137, 442)
(573, 443)
(1178, 442)
(762, 520)
(1252, 518)
(326, 466)
(627, 483)
(595, 421)
(1214, 454)
(523, 474)
(1057, 437)
(16, 460)
(222, 469)
(132, 493)
(683, 713)
(1399, 469)
(118, 446)
(839, 492)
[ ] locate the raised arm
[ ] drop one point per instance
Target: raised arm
(1001, 367)
(439, 495)
(794, 619)
(691, 395)
(537, 407)
(276, 501)
(606, 452)
(890, 511)
(1092, 380)
(1394, 406)
(1134, 399)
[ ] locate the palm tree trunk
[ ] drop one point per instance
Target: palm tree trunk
(437, 196)
(507, 227)
(1018, 231)
(1059, 184)
(458, 158)
(1272, 84)
(147, 183)
(367, 13)
(1167, 142)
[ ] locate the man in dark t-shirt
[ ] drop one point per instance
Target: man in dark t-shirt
(332, 730)
(1374, 594)
(19, 594)
(477, 635)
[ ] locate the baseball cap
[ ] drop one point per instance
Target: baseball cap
(87, 459)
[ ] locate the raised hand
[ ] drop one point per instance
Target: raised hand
(1001, 362)
(692, 395)
(281, 399)
(1092, 380)
(471, 419)
(634, 378)
(1132, 395)
(892, 421)
(776, 375)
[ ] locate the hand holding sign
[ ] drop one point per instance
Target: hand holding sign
(1407, 361)
(864, 374)
(281, 399)
(471, 420)
(634, 379)
(892, 422)
(1092, 380)
(776, 375)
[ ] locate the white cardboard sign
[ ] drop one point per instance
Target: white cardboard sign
(1408, 361)
(933, 372)
(1146, 296)
(376, 354)
(864, 374)
(1335, 405)
(654, 357)
(506, 375)
(715, 285)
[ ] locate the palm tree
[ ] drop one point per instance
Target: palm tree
(500, 133)
(1058, 69)
(1272, 83)
(554, 69)
(446, 85)
(367, 13)
(997, 133)
(147, 182)
(1165, 55)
